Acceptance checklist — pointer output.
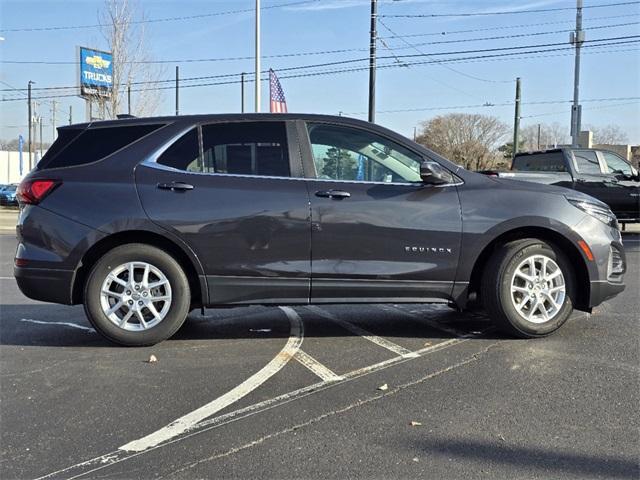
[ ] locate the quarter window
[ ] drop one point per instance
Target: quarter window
(342, 153)
(587, 162)
(246, 148)
(79, 148)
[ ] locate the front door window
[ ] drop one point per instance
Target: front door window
(350, 154)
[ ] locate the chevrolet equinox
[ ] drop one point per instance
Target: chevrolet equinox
(143, 220)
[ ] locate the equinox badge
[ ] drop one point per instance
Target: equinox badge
(418, 249)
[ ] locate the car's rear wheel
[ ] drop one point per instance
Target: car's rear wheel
(527, 288)
(137, 295)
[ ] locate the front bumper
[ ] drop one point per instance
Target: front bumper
(602, 291)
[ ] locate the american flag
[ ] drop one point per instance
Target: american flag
(278, 103)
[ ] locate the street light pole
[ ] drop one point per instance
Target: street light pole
(372, 62)
(257, 75)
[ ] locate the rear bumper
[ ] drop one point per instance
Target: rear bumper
(602, 291)
(46, 285)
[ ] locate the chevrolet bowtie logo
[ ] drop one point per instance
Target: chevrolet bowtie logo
(418, 249)
(98, 62)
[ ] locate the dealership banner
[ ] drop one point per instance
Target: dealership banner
(96, 72)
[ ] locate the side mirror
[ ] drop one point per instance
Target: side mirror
(433, 174)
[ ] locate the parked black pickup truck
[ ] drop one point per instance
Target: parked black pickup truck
(599, 173)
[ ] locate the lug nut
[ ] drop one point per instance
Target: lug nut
(144, 294)
(130, 302)
(140, 303)
(128, 292)
(137, 287)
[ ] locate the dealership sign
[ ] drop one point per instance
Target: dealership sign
(96, 72)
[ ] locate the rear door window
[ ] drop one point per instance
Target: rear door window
(587, 162)
(184, 154)
(540, 162)
(246, 148)
(92, 144)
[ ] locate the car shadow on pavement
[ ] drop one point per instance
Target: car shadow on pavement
(548, 462)
(50, 326)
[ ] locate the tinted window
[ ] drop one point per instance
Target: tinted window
(93, 144)
(184, 154)
(246, 148)
(540, 162)
(65, 137)
(342, 153)
(587, 162)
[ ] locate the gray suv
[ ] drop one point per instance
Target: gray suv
(142, 220)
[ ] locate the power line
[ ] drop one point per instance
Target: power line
(324, 52)
(502, 104)
(415, 47)
(505, 27)
(504, 12)
(502, 37)
(158, 20)
(357, 60)
(491, 57)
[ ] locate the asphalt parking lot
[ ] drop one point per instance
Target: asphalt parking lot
(380, 391)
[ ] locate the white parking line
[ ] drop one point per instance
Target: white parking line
(316, 367)
(382, 342)
(65, 324)
(89, 466)
(187, 422)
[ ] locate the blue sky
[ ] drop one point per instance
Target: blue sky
(608, 72)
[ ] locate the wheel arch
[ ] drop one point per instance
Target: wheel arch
(98, 249)
(580, 271)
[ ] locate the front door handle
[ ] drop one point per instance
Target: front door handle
(179, 186)
(334, 194)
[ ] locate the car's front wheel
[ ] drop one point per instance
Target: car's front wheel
(137, 295)
(527, 287)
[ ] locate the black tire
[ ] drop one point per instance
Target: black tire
(170, 268)
(496, 288)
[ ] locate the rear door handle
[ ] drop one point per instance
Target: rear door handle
(181, 186)
(334, 194)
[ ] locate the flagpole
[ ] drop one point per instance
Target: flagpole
(257, 79)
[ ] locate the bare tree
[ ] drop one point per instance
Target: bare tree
(125, 35)
(551, 135)
(471, 140)
(608, 134)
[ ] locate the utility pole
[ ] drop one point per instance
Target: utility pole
(30, 121)
(257, 79)
(53, 121)
(129, 98)
(539, 128)
(516, 120)
(242, 92)
(177, 86)
(70, 114)
(576, 38)
(372, 62)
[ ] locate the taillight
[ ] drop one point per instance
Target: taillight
(32, 192)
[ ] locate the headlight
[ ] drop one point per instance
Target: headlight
(604, 214)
